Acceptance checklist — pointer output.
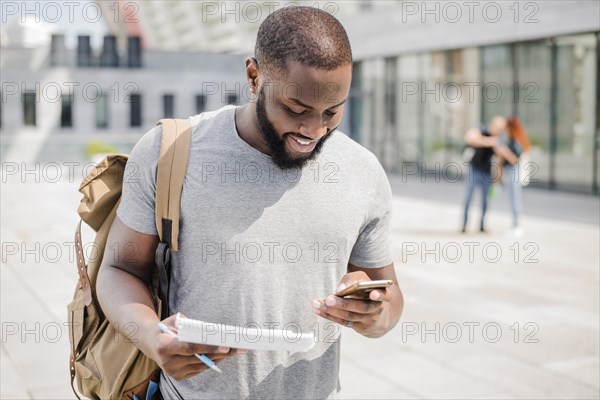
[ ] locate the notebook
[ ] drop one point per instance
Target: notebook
(243, 337)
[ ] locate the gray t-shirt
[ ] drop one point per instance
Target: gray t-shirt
(257, 244)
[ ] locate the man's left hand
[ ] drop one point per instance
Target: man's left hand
(369, 317)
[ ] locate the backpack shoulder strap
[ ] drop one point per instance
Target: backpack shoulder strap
(172, 166)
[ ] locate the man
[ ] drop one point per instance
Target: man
(486, 144)
(278, 210)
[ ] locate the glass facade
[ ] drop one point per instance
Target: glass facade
(410, 111)
(532, 98)
(428, 102)
(497, 88)
(576, 64)
(415, 108)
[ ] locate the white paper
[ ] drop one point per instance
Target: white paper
(243, 337)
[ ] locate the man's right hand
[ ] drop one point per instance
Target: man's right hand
(123, 292)
(177, 359)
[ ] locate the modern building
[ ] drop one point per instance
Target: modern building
(428, 71)
(212, 26)
(61, 104)
(424, 73)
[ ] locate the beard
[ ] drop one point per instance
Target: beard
(276, 144)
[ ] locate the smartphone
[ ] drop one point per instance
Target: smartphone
(362, 289)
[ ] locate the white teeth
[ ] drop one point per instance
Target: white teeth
(302, 142)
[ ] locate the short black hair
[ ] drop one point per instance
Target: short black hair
(307, 35)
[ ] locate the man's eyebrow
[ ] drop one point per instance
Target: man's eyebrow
(310, 107)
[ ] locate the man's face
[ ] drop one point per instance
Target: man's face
(298, 111)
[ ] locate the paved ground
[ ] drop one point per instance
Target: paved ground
(486, 316)
(555, 205)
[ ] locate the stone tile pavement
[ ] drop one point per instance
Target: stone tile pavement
(486, 316)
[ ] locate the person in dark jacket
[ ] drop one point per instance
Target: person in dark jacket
(485, 143)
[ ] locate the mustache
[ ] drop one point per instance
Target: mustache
(329, 132)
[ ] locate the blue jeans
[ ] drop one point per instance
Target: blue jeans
(513, 187)
(482, 179)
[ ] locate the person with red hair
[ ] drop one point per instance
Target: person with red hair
(513, 177)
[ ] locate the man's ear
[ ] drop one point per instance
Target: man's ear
(252, 73)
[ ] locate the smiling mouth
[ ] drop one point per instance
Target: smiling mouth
(301, 141)
(301, 145)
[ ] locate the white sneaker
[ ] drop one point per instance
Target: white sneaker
(516, 232)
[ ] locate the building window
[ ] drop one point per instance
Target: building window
(391, 67)
(29, 106)
(109, 56)
(58, 56)
(134, 52)
(84, 51)
(200, 103)
(135, 110)
(231, 98)
(66, 111)
(102, 112)
(168, 106)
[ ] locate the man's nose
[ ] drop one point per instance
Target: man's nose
(315, 128)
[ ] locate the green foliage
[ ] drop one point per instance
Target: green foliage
(535, 141)
(96, 147)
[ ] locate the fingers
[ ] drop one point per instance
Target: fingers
(351, 278)
(384, 294)
(180, 367)
(341, 321)
(189, 349)
(170, 321)
(344, 310)
(196, 366)
(357, 321)
(354, 307)
(349, 309)
(170, 345)
(359, 314)
(178, 358)
(357, 306)
(183, 367)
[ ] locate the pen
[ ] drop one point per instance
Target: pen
(202, 357)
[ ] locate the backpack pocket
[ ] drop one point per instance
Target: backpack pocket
(75, 324)
(82, 321)
(83, 324)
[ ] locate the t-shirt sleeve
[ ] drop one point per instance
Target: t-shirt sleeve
(136, 208)
(373, 247)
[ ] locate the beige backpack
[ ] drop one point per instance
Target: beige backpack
(104, 363)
